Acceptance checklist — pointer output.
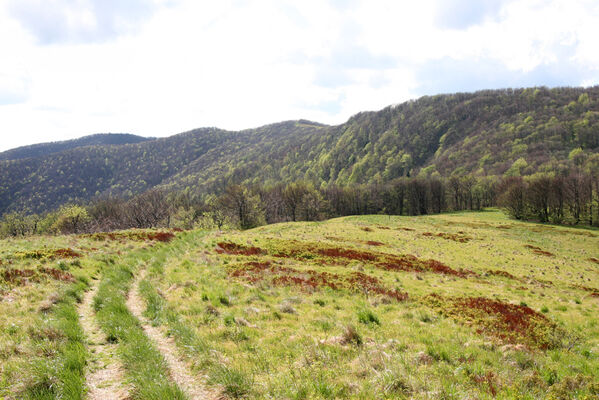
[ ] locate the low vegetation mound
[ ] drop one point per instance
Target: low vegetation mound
(511, 323)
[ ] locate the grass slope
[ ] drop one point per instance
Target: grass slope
(468, 305)
(453, 306)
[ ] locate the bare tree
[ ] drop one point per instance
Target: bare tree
(148, 209)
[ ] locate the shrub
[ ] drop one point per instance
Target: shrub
(368, 317)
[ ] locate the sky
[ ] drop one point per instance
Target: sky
(70, 68)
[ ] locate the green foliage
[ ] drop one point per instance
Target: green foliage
(70, 219)
(445, 133)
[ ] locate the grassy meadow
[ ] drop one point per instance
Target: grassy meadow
(451, 306)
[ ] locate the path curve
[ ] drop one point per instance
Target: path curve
(105, 377)
(191, 385)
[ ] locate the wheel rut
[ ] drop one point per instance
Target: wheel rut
(191, 385)
(105, 376)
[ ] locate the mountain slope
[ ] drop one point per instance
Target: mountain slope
(45, 149)
(484, 133)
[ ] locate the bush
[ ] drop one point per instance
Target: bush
(368, 317)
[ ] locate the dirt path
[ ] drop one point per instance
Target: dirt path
(190, 384)
(105, 375)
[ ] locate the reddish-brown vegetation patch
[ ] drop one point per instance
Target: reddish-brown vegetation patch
(410, 263)
(405, 229)
(20, 276)
(17, 275)
(58, 274)
(310, 279)
(366, 229)
(456, 237)
(48, 254)
(324, 254)
(383, 227)
(503, 274)
(511, 323)
(349, 254)
(594, 260)
(374, 243)
(594, 292)
(538, 250)
(238, 249)
(136, 235)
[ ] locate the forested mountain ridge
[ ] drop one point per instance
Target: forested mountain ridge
(494, 132)
(44, 149)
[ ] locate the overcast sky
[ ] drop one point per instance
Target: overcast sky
(70, 68)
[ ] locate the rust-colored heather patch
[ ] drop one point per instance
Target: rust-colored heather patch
(66, 253)
(405, 229)
(48, 254)
(308, 251)
(383, 227)
(502, 273)
(410, 263)
(17, 275)
(459, 237)
(20, 276)
(374, 243)
(238, 249)
(538, 250)
(511, 323)
(366, 229)
(310, 279)
(161, 236)
(58, 274)
(594, 260)
(325, 254)
(349, 254)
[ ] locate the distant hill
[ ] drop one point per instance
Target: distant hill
(45, 149)
(493, 132)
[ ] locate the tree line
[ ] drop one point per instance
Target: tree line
(570, 198)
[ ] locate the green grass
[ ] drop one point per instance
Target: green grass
(63, 375)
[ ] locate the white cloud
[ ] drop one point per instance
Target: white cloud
(239, 63)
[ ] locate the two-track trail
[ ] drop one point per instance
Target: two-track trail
(105, 377)
(191, 385)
